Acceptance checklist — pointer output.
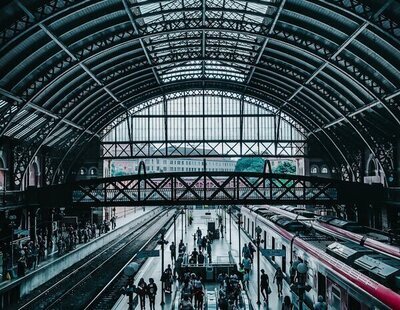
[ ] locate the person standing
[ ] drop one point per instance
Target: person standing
(152, 292)
(113, 222)
(320, 304)
(287, 303)
(222, 230)
(279, 279)
(199, 234)
(246, 264)
(209, 251)
(252, 250)
(141, 292)
(264, 285)
(246, 251)
(172, 248)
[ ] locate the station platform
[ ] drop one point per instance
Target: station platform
(222, 250)
(54, 264)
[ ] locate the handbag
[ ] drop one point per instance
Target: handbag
(269, 290)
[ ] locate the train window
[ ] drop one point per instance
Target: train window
(265, 239)
(284, 260)
(248, 224)
(336, 297)
(252, 229)
(321, 284)
(354, 304)
(273, 247)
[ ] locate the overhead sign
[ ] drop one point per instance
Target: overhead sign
(273, 252)
(146, 254)
(24, 232)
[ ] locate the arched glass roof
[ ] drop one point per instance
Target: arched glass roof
(207, 123)
(69, 68)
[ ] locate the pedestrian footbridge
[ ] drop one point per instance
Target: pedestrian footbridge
(207, 188)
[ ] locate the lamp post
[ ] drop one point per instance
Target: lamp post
(230, 225)
(258, 242)
(162, 242)
(239, 226)
(175, 216)
(186, 219)
(225, 219)
(182, 213)
(301, 282)
(130, 271)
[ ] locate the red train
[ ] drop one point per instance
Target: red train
(349, 276)
(343, 229)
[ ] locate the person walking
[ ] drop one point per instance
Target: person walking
(246, 251)
(264, 285)
(141, 292)
(181, 248)
(320, 304)
(209, 251)
(222, 230)
(287, 303)
(252, 250)
(152, 292)
(279, 279)
(246, 279)
(198, 233)
(246, 264)
(113, 222)
(172, 248)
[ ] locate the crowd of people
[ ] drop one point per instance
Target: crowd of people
(28, 255)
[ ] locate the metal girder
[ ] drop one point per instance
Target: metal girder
(40, 109)
(206, 188)
(326, 62)
(200, 148)
(66, 50)
(133, 22)
(360, 110)
(262, 49)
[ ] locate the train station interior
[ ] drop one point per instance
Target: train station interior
(200, 154)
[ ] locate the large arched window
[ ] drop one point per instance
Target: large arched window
(209, 123)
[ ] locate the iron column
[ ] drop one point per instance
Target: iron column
(258, 241)
(162, 242)
(183, 213)
(239, 226)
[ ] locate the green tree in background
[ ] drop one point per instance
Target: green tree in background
(285, 167)
(250, 164)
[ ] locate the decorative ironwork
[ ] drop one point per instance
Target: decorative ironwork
(208, 188)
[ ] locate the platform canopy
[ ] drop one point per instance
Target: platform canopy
(69, 68)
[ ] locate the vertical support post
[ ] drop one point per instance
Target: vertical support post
(186, 218)
(182, 212)
(239, 228)
(230, 226)
(258, 241)
(225, 208)
(162, 264)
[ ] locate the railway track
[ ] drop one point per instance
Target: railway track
(76, 288)
(111, 292)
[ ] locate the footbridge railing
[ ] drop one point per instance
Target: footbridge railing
(209, 188)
